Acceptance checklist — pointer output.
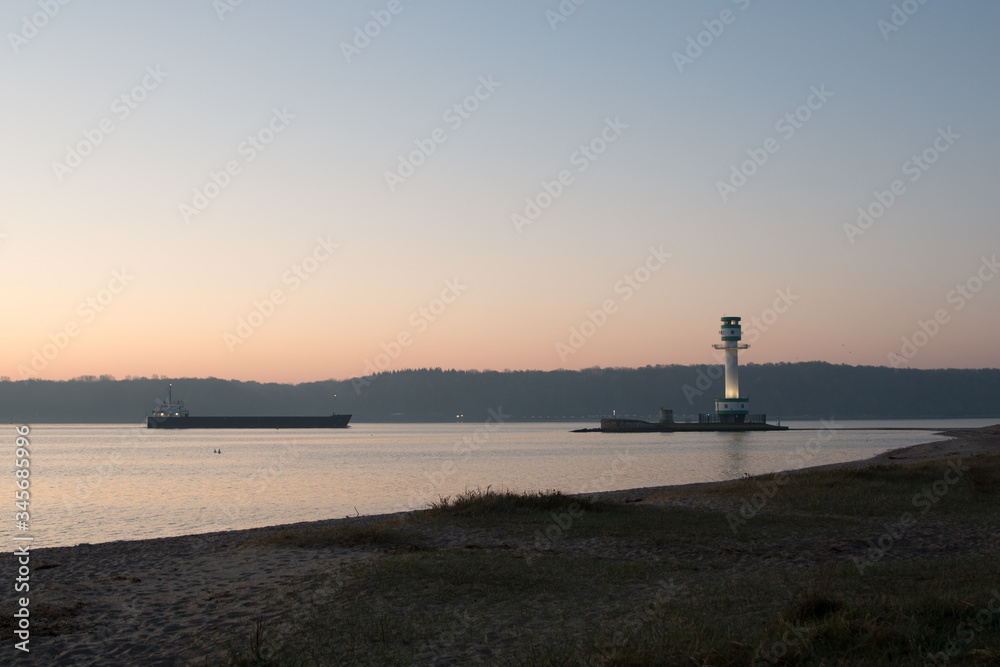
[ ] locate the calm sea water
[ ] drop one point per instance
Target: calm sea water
(99, 483)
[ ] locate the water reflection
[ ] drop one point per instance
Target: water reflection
(734, 455)
(170, 483)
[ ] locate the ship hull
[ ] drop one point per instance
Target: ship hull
(331, 421)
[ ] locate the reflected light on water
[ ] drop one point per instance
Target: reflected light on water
(98, 483)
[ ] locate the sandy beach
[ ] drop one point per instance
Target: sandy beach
(184, 600)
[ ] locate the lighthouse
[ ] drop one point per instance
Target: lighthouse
(732, 411)
(732, 408)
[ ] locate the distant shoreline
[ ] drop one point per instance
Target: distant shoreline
(797, 390)
(587, 420)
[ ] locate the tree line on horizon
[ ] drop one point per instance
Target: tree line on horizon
(801, 390)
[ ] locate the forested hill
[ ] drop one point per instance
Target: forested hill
(799, 390)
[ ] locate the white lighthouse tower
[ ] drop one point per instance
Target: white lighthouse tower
(733, 408)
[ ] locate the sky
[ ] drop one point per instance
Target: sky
(307, 190)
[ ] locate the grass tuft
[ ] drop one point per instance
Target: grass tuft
(817, 601)
(384, 534)
(487, 502)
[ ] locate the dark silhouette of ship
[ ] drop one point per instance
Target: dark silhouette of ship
(706, 422)
(173, 414)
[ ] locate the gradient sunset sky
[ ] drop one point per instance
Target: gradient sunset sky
(688, 160)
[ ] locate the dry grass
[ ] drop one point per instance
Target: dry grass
(872, 491)
(395, 533)
(650, 585)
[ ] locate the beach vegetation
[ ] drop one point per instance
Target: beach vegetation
(484, 577)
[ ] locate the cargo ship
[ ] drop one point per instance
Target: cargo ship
(173, 414)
